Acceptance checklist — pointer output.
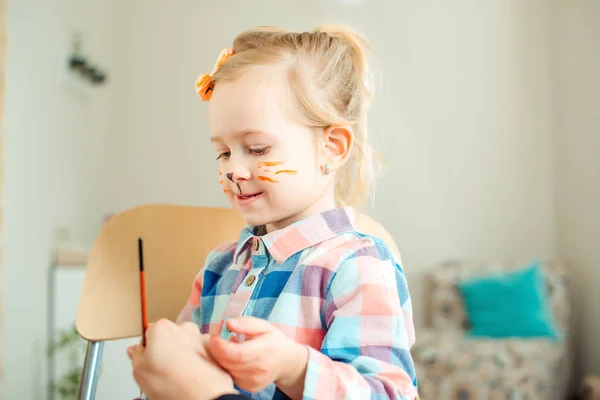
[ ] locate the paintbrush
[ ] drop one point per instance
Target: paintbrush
(142, 291)
(142, 294)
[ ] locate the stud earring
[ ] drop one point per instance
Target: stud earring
(327, 169)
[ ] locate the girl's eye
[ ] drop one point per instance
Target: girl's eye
(224, 155)
(260, 151)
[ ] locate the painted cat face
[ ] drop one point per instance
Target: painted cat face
(268, 162)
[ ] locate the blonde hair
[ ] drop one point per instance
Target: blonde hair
(330, 82)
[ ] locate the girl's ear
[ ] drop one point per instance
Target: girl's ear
(337, 144)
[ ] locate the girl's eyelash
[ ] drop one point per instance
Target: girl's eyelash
(223, 155)
(260, 151)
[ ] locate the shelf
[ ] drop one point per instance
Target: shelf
(70, 257)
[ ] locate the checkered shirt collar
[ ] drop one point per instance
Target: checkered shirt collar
(311, 231)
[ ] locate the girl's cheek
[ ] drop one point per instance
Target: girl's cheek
(222, 182)
(271, 171)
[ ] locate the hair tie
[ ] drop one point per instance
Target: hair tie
(204, 83)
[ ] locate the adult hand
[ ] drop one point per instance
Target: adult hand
(266, 356)
(174, 364)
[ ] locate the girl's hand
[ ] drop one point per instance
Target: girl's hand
(175, 365)
(265, 357)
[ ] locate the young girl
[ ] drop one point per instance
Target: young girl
(302, 305)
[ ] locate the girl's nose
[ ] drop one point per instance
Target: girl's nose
(238, 171)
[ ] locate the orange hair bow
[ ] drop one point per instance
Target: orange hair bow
(204, 83)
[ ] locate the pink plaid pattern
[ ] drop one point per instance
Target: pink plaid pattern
(338, 291)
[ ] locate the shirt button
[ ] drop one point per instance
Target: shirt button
(250, 280)
(255, 245)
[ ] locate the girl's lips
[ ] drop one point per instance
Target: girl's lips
(246, 199)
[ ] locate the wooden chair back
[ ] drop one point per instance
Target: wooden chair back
(176, 241)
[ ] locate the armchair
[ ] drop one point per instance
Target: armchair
(451, 365)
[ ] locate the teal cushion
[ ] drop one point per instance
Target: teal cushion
(510, 304)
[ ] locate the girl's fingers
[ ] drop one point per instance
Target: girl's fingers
(235, 339)
(249, 326)
(228, 353)
(252, 348)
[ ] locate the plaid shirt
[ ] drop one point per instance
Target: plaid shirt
(325, 285)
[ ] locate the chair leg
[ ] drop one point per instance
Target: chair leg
(90, 371)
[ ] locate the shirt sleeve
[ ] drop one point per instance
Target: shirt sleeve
(367, 313)
(193, 301)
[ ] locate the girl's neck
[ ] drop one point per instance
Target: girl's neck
(322, 204)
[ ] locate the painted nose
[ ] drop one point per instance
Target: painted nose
(229, 176)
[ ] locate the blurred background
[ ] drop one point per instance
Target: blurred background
(487, 112)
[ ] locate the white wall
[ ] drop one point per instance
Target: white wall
(55, 151)
(463, 116)
(577, 154)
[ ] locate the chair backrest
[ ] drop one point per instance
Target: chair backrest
(445, 310)
(176, 241)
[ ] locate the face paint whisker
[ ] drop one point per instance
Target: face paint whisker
(269, 163)
(266, 178)
(287, 171)
(239, 188)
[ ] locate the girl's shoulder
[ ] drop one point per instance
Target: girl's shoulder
(363, 244)
(366, 238)
(350, 247)
(368, 226)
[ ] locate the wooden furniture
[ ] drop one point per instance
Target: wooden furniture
(176, 241)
